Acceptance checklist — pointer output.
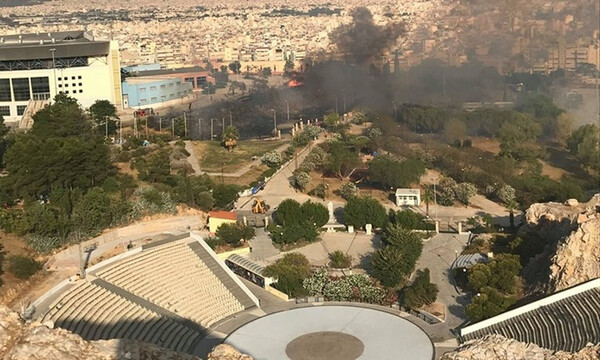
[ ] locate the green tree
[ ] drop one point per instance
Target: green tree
(341, 160)
(428, 198)
(93, 212)
(230, 137)
(583, 143)
(314, 213)
(454, 130)
(225, 195)
(487, 303)
(290, 272)
(421, 291)
(464, 192)
(234, 233)
(388, 265)
(63, 118)
(294, 233)
(339, 260)
(235, 67)
(331, 121)
(360, 211)
(104, 114)
(501, 274)
(195, 191)
(408, 241)
(289, 212)
(288, 68)
(516, 133)
(156, 167)
(391, 173)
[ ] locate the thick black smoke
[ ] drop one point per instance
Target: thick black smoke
(362, 40)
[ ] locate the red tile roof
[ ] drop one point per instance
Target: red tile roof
(223, 215)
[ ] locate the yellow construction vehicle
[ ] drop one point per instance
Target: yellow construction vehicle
(259, 207)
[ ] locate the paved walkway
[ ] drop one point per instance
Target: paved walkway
(438, 254)
(262, 246)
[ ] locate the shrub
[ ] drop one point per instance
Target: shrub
(464, 192)
(151, 201)
(506, 194)
(289, 212)
(347, 190)
(487, 303)
(272, 159)
(339, 260)
(300, 180)
(347, 288)
(214, 242)
(22, 267)
(123, 156)
(319, 191)
(421, 291)
(290, 272)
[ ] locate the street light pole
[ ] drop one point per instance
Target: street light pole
(184, 124)
(230, 119)
(159, 124)
(287, 106)
(200, 129)
(274, 119)
(146, 128)
(435, 198)
(212, 126)
(173, 127)
(223, 121)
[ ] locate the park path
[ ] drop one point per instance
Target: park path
(194, 161)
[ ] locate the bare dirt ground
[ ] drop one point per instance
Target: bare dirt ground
(486, 144)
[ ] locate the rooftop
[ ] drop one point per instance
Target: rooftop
(408, 191)
(42, 45)
(223, 215)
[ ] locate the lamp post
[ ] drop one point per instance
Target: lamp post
(53, 50)
(184, 125)
(173, 127)
(274, 121)
(435, 198)
(287, 106)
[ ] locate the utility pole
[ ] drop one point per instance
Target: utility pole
(223, 121)
(159, 124)
(184, 124)
(230, 119)
(287, 106)
(336, 106)
(200, 129)
(274, 121)
(212, 129)
(173, 127)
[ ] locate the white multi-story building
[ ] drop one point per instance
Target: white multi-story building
(36, 67)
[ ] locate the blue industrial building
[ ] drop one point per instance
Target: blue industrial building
(142, 92)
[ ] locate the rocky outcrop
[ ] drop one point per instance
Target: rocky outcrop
(496, 347)
(227, 352)
(572, 231)
(35, 341)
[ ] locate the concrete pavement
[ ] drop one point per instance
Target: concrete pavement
(438, 255)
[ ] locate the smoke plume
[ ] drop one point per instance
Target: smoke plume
(362, 40)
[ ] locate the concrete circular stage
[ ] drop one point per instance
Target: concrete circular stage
(332, 333)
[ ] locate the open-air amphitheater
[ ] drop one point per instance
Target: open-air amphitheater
(176, 293)
(167, 293)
